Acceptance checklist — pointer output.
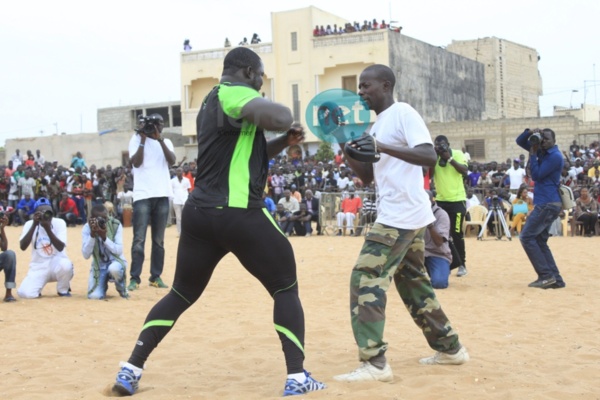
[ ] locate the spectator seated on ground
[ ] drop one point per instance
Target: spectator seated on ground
(67, 210)
(349, 208)
(301, 220)
(25, 208)
(282, 217)
(269, 203)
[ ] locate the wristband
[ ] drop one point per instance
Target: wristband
(450, 159)
(141, 144)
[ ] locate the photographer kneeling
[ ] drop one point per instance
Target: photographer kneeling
(102, 239)
(49, 261)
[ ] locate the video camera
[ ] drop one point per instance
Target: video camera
(150, 123)
(101, 223)
(535, 138)
(442, 148)
(47, 215)
(496, 202)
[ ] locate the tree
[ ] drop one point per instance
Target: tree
(324, 152)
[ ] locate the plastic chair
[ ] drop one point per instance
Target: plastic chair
(477, 214)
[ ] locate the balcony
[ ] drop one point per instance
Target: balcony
(220, 53)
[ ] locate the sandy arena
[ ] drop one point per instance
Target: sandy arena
(524, 343)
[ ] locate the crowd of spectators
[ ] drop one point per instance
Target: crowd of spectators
(509, 180)
(75, 188)
(351, 27)
(72, 190)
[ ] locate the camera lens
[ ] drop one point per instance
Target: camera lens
(47, 216)
(535, 138)
(148, 128)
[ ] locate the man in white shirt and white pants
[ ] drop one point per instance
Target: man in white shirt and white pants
(181, 189)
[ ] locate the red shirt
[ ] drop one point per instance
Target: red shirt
(351, 205)
(69, 205)
(190, 178)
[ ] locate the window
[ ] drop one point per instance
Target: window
(476, 148)
(295, 102)
(349, 83)
(176, 110)
(294, 41)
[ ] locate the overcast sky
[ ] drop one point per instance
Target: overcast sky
(61, 60)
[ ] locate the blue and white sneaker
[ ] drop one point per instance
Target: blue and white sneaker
(293, 387)
(127, 380)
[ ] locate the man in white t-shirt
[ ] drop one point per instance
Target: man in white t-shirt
(181, 189)
(472, 200)
(27, 184)
(17, 159)
(343, 182)
(516, 174)
(49, 261)
(394, 248)
(151, 157)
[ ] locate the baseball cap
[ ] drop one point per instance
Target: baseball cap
(517, 160)
(42, 201)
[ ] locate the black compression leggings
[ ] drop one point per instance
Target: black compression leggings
(207, 235)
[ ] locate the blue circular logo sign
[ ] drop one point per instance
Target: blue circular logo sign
(337, 116)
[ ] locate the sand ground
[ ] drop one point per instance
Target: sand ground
(524, 343)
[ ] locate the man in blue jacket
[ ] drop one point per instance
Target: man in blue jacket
(545, 163)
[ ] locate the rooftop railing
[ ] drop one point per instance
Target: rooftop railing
(212, 54)
(349, 38)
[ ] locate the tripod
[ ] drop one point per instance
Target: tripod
(497, 215)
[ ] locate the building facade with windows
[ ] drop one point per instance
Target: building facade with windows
(441, 85)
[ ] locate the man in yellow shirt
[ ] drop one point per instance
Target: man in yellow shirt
(449, 172)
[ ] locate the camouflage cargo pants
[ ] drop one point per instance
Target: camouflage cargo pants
(389, 253)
